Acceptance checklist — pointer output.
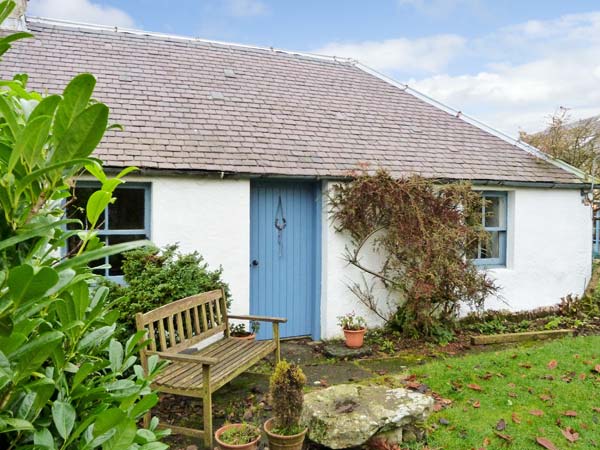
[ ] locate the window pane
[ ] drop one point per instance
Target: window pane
(76, 207)
(116, 260)
(494, 212)
(127, 213)
(491, 247)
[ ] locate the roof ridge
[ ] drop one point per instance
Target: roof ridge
(167, 36)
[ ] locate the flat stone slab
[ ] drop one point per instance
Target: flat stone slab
(340, 372)
(348, 415)
(519, 337)
(340, 351)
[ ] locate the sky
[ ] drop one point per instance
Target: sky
(511, 64)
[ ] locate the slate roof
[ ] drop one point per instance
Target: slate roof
(193, 105)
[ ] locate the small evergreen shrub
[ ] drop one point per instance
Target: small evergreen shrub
(157, 277)
(287, 397)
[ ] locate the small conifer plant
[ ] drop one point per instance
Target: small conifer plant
(286, 390)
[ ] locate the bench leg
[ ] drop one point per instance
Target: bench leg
(277, 343)
(207, 408)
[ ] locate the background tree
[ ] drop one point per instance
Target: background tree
(576, 143)
(424, 233)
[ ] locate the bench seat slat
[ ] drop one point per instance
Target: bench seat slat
(176, 374)
(183, 377)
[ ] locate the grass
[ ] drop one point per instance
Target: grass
(509, 385)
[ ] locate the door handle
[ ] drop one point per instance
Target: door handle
(254, 262)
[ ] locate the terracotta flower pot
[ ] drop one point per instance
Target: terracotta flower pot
(355, 338)
(225, 446)
(247, 337)
(280, 442)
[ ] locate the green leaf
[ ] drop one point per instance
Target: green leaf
(126, 171)
(46, 107)
(37, 174)
(34, 232)
(6, 326)
(6, 7)
(96, 170)
(16, 425)
(108, 419)
(63, 416)
(96, 204)
(31, 141)
(7, 111)
(84, 135)
(115, 355)
(76, 97)
(43, 438)
(96, 337)
(85, 369)
(15, 37)
(33, 354)
(123, 438)
(87, 257)
(23, 283)
(154, 446)
(144, 405)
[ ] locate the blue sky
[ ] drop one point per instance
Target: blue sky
(510, 63)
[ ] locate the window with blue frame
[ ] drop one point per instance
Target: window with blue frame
(127, 219)
(492, 251)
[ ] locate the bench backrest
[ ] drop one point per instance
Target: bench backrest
(185, 322)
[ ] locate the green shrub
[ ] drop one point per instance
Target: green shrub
(157, 277)
(65, 383)
(287, 397)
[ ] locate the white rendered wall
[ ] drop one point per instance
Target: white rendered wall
(549, 248)
(211, 216)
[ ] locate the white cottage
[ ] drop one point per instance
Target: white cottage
(237, 146)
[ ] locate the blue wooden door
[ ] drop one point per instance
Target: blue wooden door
(284, 259)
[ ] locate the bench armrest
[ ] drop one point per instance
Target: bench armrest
(185, 358)
(259, 318)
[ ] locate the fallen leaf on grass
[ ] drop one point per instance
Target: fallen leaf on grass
(536, 412)
(545, 443)
(501, 425)
(570, 434)
(552, 364)
(515, 418)
(474, 386)
(476, 404)
(597, 368)
(595, 409)
(506, 437)
(570, 413)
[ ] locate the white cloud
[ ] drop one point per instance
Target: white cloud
(246, 8)
(512, 78)
(80, 11)
(553, 63)
(428, 54)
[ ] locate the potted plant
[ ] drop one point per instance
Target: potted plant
(239, 331)
(286, 391)
(238, 436)
(354, 328)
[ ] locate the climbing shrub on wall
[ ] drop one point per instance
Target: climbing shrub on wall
(424, 232)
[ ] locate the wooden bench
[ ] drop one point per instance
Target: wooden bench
(174, 330)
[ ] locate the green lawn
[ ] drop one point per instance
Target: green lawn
(530, 389)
